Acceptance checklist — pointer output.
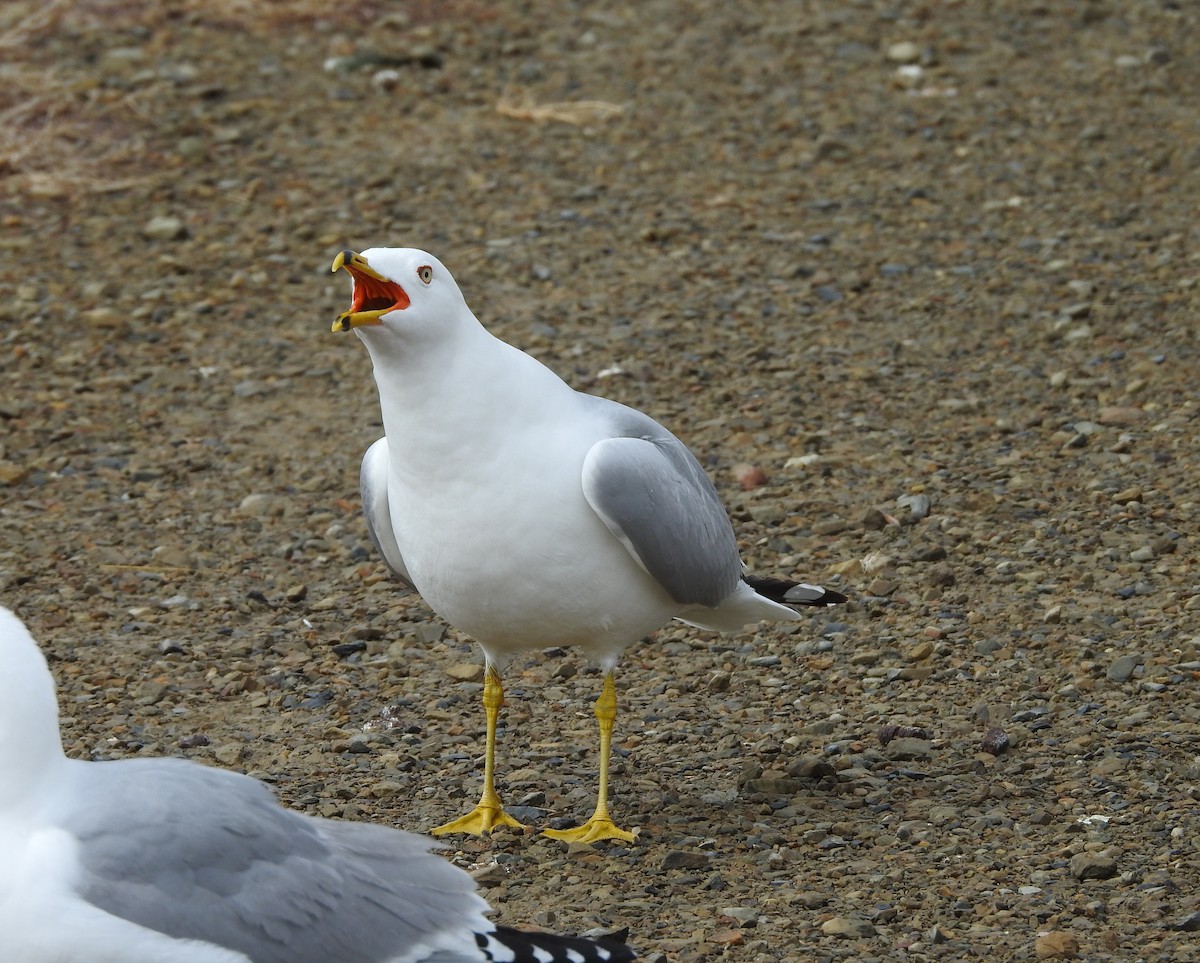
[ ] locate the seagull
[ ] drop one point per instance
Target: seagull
(154, 860)
(528, 514)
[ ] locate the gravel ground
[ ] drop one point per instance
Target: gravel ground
(921, 277)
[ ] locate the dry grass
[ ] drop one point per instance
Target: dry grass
(576, 112)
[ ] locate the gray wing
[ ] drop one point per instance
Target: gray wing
(653, 495)
(201, 853)
(373, 487)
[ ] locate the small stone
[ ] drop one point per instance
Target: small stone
(719, 681)
(995, 741)
(903, 52)
(810, 767)
(918, 505)
(749, 476)
(261, 503)
(848, 927)
(465, 672)
(941, 576)
(906, 748)
(773, 784)
(922, 650)
(165, 229)
(727, 936)
(1144, 553)
(1120, 415)
(1127, 495)
(873, 520)
(490, 875)
(938, 934)
(11, 474)
(1187, 924)
(228, 755)
(1052, 615)
(682, 859)
(891, 731)
(1056, 945)
(1093, 866)
(297, 593)
(358, 743)
(1122, 668)
(150, 692)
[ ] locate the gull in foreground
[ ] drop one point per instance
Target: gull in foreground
(528, 514)
(167, 861)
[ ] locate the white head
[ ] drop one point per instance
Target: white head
(29, 741)
(401, 295)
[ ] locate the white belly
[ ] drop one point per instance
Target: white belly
(524, 566)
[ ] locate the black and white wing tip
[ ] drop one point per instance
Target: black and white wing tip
(505, 945)
(793, 593)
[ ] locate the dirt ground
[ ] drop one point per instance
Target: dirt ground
(930, 269)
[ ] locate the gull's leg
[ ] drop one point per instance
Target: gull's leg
(489, 813)
(600, 826)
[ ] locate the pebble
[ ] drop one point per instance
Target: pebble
(995, 741)
(1120, 415)
(873, 520)
(681, 859)
(1056, 945)
(903, 52)
(908, 748)
(1121, 669)
(918, 505)
(261, 503)
(848, 927)
(1093, 866)
(465, 671)
(749, 476)
(165, 228)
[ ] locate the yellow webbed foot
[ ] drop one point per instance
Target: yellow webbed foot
(595, 829)
(482, 819)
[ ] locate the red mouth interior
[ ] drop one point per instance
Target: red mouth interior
(372, 295)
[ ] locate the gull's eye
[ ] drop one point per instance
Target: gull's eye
(425, 273)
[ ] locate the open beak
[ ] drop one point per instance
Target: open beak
(373, 295)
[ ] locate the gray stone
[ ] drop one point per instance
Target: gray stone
(1093, 866)
(908, 748)
(848, 927)
(681, 859)
(1122, 669)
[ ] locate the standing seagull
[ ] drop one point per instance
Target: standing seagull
(528, 514)
(167, 861)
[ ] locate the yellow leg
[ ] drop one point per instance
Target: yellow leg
(489, 813)
(600, 826)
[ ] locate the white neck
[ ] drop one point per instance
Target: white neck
(450, 399)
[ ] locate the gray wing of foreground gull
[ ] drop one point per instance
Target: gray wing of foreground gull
(653, 495)
(373, 487)
(199, 853)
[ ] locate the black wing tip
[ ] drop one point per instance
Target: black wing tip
(794, 593)
(525, 947)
